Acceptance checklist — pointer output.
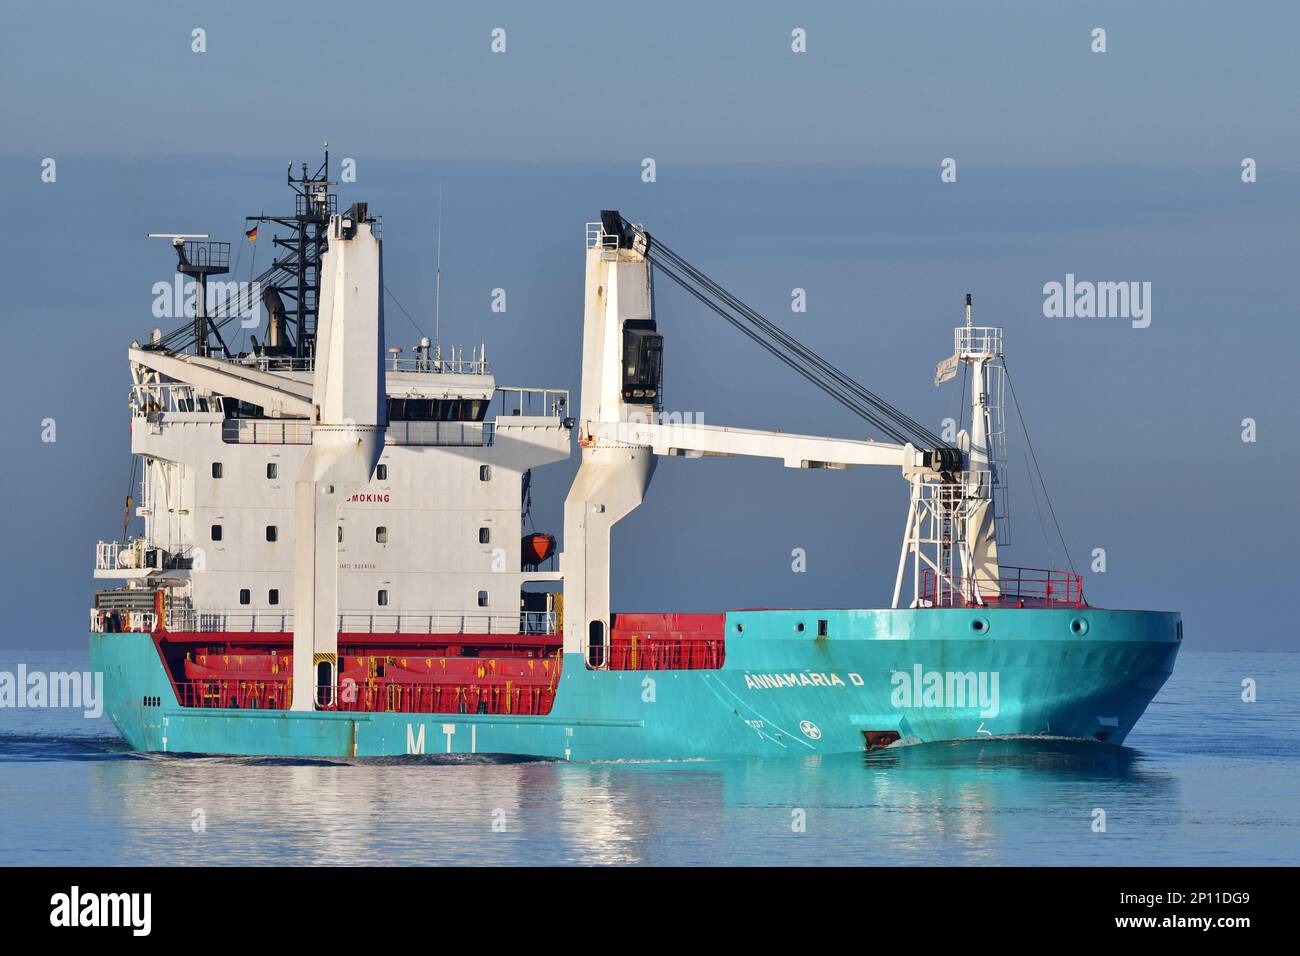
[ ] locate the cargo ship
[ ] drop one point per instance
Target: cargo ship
(335, 555)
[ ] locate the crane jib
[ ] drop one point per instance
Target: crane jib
(896, 424)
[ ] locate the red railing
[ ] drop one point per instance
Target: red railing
(649, 653)
(494, 696)
(665, 642)
(251, 680)
(1016, 587)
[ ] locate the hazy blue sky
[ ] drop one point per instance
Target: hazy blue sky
(775, 170)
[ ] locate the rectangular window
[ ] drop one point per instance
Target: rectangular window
(216, 532)
(272, 533)
(381, 472)
(822, 629)
(484, 535)
(340, 534)
(381, 535)
(484, 472)
(482, 599)
(273, 596)
(216, 469)
(245, 596)
(382, 598)
(272, 470)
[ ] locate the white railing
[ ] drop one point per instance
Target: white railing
(472, 434)
(543, 402)
(257, 431)
(249, 431)
(453, 363)
(189, 620)
(597, 237)
(977, 340)
(106, 556)
(131, 555)
(115, 622)
(151, 398)
(200, 621)
(447, 622)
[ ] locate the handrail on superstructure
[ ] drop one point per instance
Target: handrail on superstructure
(1016, 587)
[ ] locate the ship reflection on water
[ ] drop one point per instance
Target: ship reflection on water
(968, 801)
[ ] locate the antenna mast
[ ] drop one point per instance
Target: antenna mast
(437, 291)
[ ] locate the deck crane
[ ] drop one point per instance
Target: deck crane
(622, 432)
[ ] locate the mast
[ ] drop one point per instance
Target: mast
(296, 276)
(951, 536)
(290, 287)
(437, 292)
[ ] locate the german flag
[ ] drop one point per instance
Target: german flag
(251, 235)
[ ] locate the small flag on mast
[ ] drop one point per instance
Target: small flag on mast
(251, 235)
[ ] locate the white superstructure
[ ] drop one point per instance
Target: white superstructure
(428, 540)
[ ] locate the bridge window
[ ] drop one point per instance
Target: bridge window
(482, 599)
(381, 598)
(216, 532)
(381, 535)
(437, 410)
(272, 470)
(216, 469)
(484, 535)
(381, 472)
(273, 596)
(245, 596)
(272, 533)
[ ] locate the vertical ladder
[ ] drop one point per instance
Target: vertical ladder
(996, 384)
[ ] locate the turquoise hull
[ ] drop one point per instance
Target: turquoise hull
(927, 675)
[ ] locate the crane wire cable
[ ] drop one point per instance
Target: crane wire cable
(831, 373)
(1034, 458)
(866, 404)
(808, 374)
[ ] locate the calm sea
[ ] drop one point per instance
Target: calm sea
(1204, 779)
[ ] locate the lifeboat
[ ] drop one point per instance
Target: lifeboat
(536, 548)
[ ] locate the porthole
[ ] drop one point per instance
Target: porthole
(799, 627)
(1078, 627)
(979, 625)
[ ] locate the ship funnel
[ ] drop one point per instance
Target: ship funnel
(274, 306)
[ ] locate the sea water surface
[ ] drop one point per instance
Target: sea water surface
(1205, 779)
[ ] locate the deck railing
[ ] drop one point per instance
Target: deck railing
(470, 696)
(257, 431)
(107, 621)
(1016, 587)
(543, 402)
(192, 621)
